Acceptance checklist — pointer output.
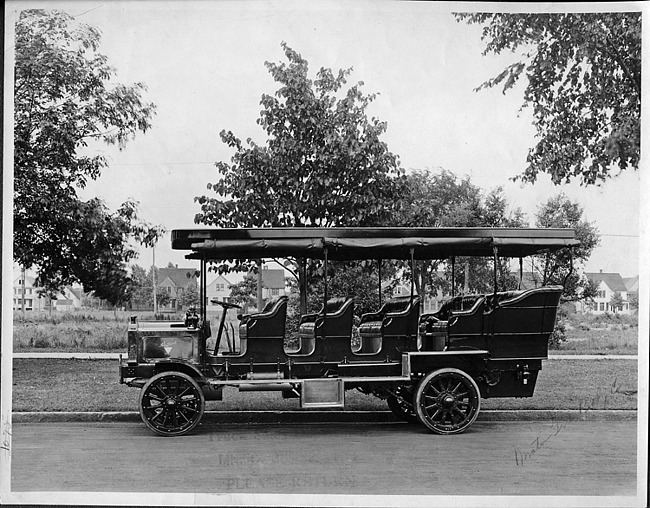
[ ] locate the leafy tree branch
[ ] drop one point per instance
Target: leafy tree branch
(62, 101)
(583, 84)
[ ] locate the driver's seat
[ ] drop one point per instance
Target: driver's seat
(269, 323)
(261, 335)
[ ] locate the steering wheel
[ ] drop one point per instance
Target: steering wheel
(226, 305)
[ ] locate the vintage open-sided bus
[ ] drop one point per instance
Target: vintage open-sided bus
(432, 368)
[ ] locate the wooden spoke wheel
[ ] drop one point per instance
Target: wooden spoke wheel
(401, 404)
(171, 403)
(447, 401)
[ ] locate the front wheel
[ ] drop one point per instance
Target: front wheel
(447, 401)
(171, 403)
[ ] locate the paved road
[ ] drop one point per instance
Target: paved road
(595, 458)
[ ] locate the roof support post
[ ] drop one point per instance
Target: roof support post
(302, 284)
(495, 251)
(325, 266)
(379, 277)
(203, 290)
(325, 295)
(258, 262)
(570, 267)
(453, 276)
(413, 274)
(521, 271)
(203, 296)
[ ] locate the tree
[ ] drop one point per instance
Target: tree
(561, 267)
(142, 293)
(163, 297)
(436, 200)
(442, 200)
(616, 302)
(345, 279)
(243, 293)
(190, 296)
(101, 240)
(62, 103)
(583, 75)
(323, 162)
(348, 279)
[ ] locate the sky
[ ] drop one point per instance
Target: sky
(203, 64)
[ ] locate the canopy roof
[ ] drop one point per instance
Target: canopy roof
(368, 243)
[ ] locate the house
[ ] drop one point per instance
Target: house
(273, 283)
(632, 284)
(608, 284)
(70, 298)
(430, 304)
(175, 281)
(218, 289)
(25, 295)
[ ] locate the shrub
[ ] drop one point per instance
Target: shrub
(558, 337)
(39, 342)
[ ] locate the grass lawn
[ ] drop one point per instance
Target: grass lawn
(93, 385)
(603, 341)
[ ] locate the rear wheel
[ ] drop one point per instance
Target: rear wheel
(171, 403)
(447, 401)
(401, 404)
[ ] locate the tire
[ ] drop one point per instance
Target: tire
(171, 403)
(447, 401)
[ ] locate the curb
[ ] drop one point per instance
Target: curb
(322, 417)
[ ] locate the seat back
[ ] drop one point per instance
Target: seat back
(334, 330)
(520, 323)
(270, 323)
(392, 330)
(460, 302)
(495, 299)
(333, 327)
(398, 304)
(333, 305)
(337, 320)
(402, 322)
(528, 311)
(262, 334)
